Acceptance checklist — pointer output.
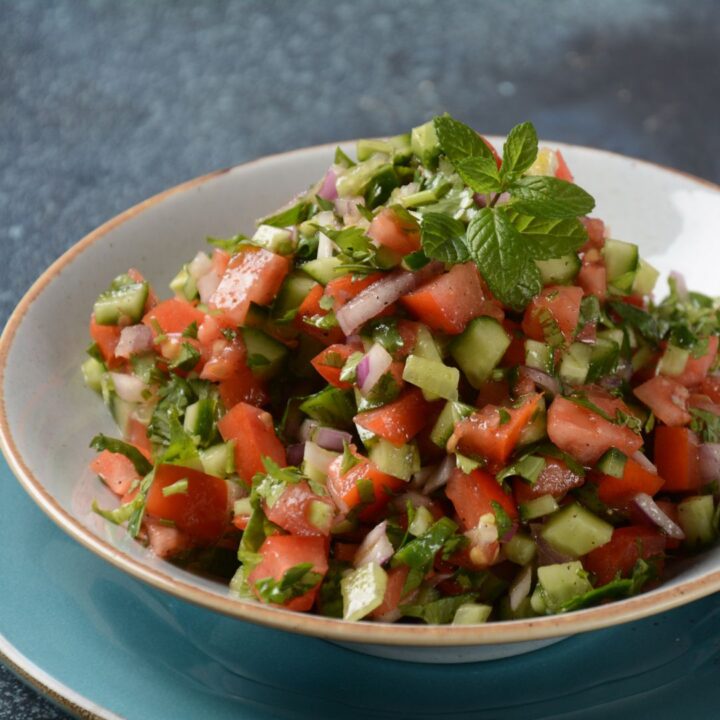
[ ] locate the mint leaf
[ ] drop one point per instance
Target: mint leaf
(550, 238)
(296, 581)
(502, 256)
(293, 215)
(642, 321)
(458, 141)
(443, 238)
(550, 197)
(480, 174)
(520, 149)
(103, 442)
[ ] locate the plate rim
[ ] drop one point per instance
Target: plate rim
(513, 631)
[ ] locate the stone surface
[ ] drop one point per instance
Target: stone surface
(103, 103)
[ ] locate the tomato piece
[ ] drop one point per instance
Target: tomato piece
(493, 151)
(399, 234)
(310, 309)
(562, 171)
(220, 260)
(254, 435)
(173, 316)
(346, 287)
(596, 233)
(408, 331)
(450, 301)
(584, 434)
(626, 547)
(473, 495)
(243, 387)
(329, 363)
(116, 471)
(515, 354)
(677, 458)
(493, 432)
(710, 386)
(136, 434)
(493, 392)
(202, 512)
(253, 275)
(667, 398)
(280, 553)
(555, 303)
(227, 359)
(697, 368)
(619, 492)
(398, 421)
(592, 278)
(107, 338)
(165, 542)
(393, 591)
(292, 511)
(556, 479)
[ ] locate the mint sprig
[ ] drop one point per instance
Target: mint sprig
(443, 238)
(550, 197)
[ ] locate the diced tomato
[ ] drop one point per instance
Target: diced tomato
(397, 233)
(592, 278)
(562, 171)
(596, 233)
(202, 512)
(254, 435)
(173, 316)
(116, 471)
(152, 299)
(408, 331)
(584, 434)
(619, 492)
(310, 308)
(677, 458)
(166, 542)
(241, 521)
(515, 354)
(667, 398)
(220, 260)
(710, 386)
(393, 591)
(280, 553)
(227, 359)
(345, 489)
(330, 361)
(450, 301)
(107, 338)
(243, 387)
(626, 547)
(346, 287)
(398, 421)
(292, 511)
(557, 303)
(253, 275)
(556, 479)
(697, 368)
(493, 432)
(136, 434)
(473, 496)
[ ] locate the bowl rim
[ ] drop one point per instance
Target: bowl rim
(548, 626)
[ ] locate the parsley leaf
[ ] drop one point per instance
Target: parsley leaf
(549, 197)
(187, 358)
(103, 442)
(642, 321)
(706, 425)
(458, 141)
(296, 581)
(443, 238)
(502, 519)
(520, 149)
(292, 215)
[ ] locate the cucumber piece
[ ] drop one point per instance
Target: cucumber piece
(612, 463)
(615, 335)
(277, 240)
(219, 460)
(557, 584)
(294, 290)
(93, 371)
(425, 346)
(402, 148)
(538, 355)
(695, 516)
(435, 379)
(523, 611)
(355, 179)
(400, 462)
(183, 285)
(575, 531)
(199, 419)
(323, 269)
(421, 522)
(380, 187)
(645, 278)
(520, 549)
(320, 514)
(604, 358)
(366, 148)
(536, 430)
(673, 360)
(538, 507)
(363, 590)
(480, 348)
(331, 406)
(471, 614)
(425, 144)
(123, 300)
(559, 271)
(265, 355)
(451, 414)
(642, 357)
(621, 263)
(575, 364)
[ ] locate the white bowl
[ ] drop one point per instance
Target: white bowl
(47, 416)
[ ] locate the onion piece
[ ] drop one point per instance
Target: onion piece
(376, 547)
(134, 339)
(441, 475)
(295, 454)
(710, 462)
(328, 189)
(372, 367)
(680, 284)
(542, 379)
(128, 387)
(326, 247)
(307, 429)
(547, 555)
(207, 285)
(373, 300)
(520, 587)
(318, 457)
(651, 509)
(200, 265)
(331, 439)
(399, 502)
(642, 460)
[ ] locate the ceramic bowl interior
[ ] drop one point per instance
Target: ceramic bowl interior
(48, 417)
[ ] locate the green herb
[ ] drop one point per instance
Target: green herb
(231, 245)
(180, 487)
(437, 612)
(502, 519)
(293, 215)
(706, 425)
(642, 321)
(191, 330)
(103, 442)
(349, 369)
(342, 159)
(550, 237)
(520, 149)
(330, 600)
(349, 459)
(229, 334)
(454, 544)
(528, 466)
(443, 238)
(503, 416)
(416, 260)
(458, 141)
(256, 360)
(296, 581)
(181, 449)
(385, 332)
(366, 490)
(480, 174)
(93, 350)
(187, 358)
(549, 197)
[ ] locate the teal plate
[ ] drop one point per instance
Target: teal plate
(115, 647)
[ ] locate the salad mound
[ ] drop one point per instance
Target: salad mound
(430, 389)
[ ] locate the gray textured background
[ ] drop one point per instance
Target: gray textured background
(104, 103)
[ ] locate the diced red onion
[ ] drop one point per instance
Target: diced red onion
(588, 334)
(441, 475)
(680, 284)
(347, 207)
(510, 534)
(710, 462)
(307, 429)
(642, 460)
(399, 502)
(328, 189)
(376, 547)
(128, 387)
(372, 367)
(318, 457)
(295, 454)
(480, 199)
(207, 285)
(134, 339)
(520, 587)
(373, 300)
(331, 439)
(542, 379)
(651, 509)
(200, 265)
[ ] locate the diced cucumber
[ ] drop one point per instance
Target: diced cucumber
(645, 278)
(559, 271)
(294, 290)
(673, 360)
(274, 239)
(219, 460)
(604, 358)
(642, 357)
(575, 531)
(520, 549)
(381, 185)
(200, 419)
(183, 285)
(421, 522)
(425, 144)
(331, 406)
(557, 584)
(425, 346)
(320, 514)
(400, 462)
(575, 364)
(538, 355)
(402, 148)
(612, 463)
(480, 348)
(524, 609)
(121, 410)
(472, 614)
(93, 371)
(451, 414)
(366, 148)
(538, 507)
(265, 355)
(314, 473)
(323, 269)
(435, 379)
(123, 300)
(621, 263)
(536, 429)
(695, 516)
(355, 179)
(243, 506)
(363, 590)
(615, 335)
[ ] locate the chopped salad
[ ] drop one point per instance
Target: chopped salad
(432, 388)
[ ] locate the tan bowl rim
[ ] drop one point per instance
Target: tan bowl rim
(659, 600)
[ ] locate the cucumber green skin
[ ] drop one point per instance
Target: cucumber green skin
(575, 531)
(323, 270)
(621, 262)
(695, 515)
(445, 424)
(331, 406)
(126, 302)
(612, 463)
(480, 348)
(260, 344)
(400, 462)
(603, 359)
(425, 144)
(559, 271)
(557, 584)
(295, 289)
